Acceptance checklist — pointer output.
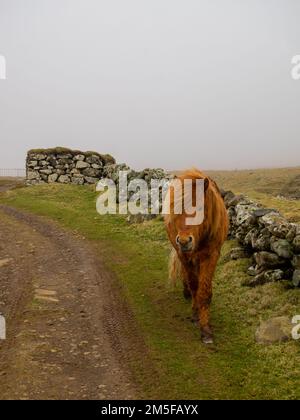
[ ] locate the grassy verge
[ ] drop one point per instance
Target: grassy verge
(237, 367)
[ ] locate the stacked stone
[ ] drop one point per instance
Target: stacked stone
(75, 167)
(65, 166)
(273, 242)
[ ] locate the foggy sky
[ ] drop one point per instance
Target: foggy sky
(159, 83)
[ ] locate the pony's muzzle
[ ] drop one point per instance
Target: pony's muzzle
(185, 243)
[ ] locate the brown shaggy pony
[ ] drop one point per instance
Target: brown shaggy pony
(196, 249)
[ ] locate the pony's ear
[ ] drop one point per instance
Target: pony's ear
(206, 184)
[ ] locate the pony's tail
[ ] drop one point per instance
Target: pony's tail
(175, 268)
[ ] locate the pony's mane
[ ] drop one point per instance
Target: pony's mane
(195, 174)
(192, 173)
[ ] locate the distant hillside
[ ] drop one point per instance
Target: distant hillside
(265, 186)
(292, 189)
(268, 181)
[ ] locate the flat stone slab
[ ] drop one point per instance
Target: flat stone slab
(46, 295)
(5, 262)
(46, 299)
(275, 330)
(44, 292)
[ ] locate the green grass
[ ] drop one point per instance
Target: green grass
(236, 368)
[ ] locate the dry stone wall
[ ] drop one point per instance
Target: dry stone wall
(75, 167)
(267, 237)
(65, 166)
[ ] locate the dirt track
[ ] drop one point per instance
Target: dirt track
(9, 183)
(65, 322)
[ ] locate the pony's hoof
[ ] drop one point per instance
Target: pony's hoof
(207, 340)
(207, 337)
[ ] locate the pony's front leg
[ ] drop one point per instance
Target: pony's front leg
(187, 293)
(204, 295)
(193, 286)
